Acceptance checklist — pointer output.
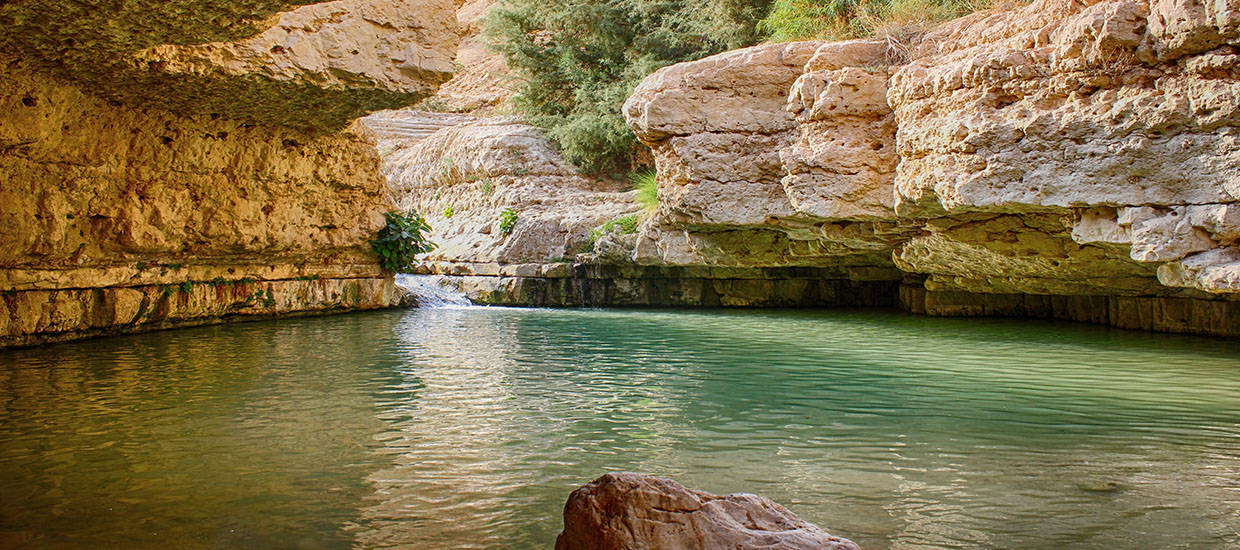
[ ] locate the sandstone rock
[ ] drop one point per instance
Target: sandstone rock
(102, 190)
(1058, 148)
(397, 45)
(148, 178)
(627, 510)
(465, 174)
(763, 162)
(194, 58)
(482, 82)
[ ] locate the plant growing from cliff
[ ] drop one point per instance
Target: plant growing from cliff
(578, 60)
(894, 20)
(402, 238)
(449, 211)
(647, 186)
(624, 225)
(507, 220)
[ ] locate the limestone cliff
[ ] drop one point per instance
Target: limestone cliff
(172, 163)
(1064, 159)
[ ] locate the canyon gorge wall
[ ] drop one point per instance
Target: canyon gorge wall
(174, 163)
(1059, 159)
(1062, 159)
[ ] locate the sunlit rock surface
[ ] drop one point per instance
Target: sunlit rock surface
(173, 163)
(1057, 149)
(627, 510)
(463, 172)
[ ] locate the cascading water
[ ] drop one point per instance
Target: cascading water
(433, 290)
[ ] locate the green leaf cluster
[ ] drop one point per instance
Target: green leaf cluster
(843, 19)
(403, 237)
(507, 220)
(578, 60)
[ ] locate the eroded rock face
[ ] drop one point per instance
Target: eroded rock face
(751, 176)
(314, 68)
(628, 510)
(462, 172)
(482, 82)
(174, 163)
(1056, 149)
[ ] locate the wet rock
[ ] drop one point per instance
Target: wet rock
(630, 511)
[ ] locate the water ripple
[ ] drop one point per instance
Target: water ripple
(467, 427)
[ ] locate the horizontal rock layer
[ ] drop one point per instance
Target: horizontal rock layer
(582, 285)
(44, 316)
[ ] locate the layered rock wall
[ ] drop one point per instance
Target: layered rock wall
(1059, 149)
(146, 186)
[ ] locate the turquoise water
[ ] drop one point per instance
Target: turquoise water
(467, 428)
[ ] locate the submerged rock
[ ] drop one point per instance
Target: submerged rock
(628, 510)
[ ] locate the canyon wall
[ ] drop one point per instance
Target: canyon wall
(175, 163)
(1062, 159)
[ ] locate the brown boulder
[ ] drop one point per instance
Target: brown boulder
(630, 511)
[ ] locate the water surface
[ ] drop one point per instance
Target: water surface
(467, 428)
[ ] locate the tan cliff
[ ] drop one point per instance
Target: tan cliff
(175, 163)
(1058, 159)
(1062, 159)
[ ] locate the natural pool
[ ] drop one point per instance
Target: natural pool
(468, 427)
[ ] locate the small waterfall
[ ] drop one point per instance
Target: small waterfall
(433, 290)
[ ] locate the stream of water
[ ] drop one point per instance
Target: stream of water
(467, 427)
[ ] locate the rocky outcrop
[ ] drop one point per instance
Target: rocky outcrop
(627, 510)
(149, 182)
(482, 82)
(314, 68)
(1059, 149)
(467, 173)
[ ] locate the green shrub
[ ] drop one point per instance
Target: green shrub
(791, 20)
(401, 239)
(647, 186)
(507, 220)
(449, 211)
(624, 225)
(578, 60)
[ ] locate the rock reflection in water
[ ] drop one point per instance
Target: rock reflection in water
(468, 427)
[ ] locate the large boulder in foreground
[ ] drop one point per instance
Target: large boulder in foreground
(629, 511)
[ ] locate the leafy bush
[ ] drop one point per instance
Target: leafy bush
(842, 19)
(624, 225)
(578, 60)
(401, 239)
(507, 220)
(647, 186)
(449, 211)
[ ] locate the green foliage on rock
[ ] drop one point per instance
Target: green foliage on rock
(507, 220)
(646, 183)
(401, 239)
(624, 225)
(791, 20)
(578, 60)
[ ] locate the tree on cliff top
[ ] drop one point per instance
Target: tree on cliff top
(578, 60)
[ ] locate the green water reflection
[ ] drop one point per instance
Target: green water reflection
(466, 428)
